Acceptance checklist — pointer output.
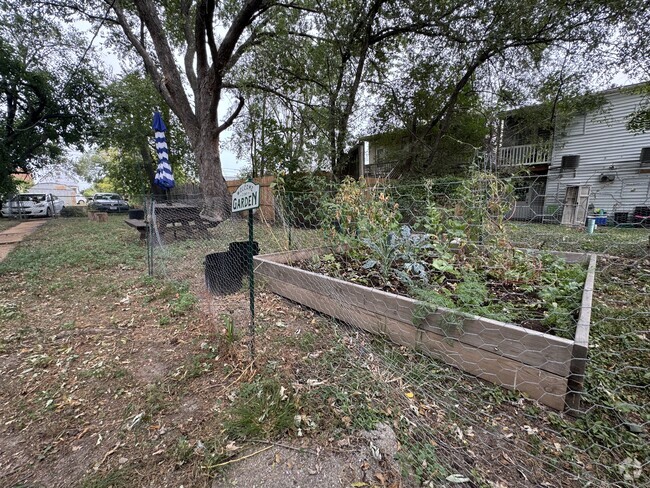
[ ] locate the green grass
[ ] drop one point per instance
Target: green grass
(156, 399)
(624, 241)
(617, 390)
(262, 410)
(76, 243)
(8, 223)
(352, 402)
(83, 258)
(200, 364)
(184, 300)
(112, 479)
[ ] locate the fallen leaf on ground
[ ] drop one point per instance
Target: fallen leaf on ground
(457, 478)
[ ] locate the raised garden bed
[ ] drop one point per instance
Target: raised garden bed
(547, 368)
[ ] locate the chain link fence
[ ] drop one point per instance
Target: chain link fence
(497, 327)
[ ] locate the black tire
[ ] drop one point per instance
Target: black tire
(48, 214)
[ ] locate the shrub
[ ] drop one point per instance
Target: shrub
(74, 212)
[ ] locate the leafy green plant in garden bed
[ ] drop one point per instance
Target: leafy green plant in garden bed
(460, 260)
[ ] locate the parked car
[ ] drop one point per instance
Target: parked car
(32, 205)
(108, 202)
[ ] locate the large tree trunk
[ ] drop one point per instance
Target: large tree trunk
(217, 200)
(206, 64)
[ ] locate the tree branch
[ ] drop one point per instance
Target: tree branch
(233, 116)
(188, 59)
(170, 85)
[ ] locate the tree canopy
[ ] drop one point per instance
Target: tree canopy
(317, 74)
(423, 69)
(50, 91)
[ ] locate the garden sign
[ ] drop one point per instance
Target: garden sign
(247, 197)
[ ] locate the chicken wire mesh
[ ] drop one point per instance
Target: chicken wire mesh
(498, 346)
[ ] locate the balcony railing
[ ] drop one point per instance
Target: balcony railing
(526, 155)
(379, 170)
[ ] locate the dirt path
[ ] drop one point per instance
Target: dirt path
(11, 237)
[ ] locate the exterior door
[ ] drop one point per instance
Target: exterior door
(576, 203)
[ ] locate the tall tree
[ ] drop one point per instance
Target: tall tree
(210, 37)
(316, 63)
(50, 95)
(426, 60)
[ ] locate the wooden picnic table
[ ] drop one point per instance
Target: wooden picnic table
(177, 218)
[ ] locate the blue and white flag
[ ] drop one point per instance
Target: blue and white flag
(164, 177)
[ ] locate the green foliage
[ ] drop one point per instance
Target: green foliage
(296, 193)
(349, 404)
(421, 461)
(471, 293)
(9, 311)
(639, 121)
(263, 409)
(276, 139)
(73, 242)
(561, 291)
(422, 152)
(358, 211)
(482, 201)
(615, 396)
(429, 299)
(50, 98)
(129, 157)
(112, 479)
(199, 364)
(183, 451)
(155, 400)
(562, 96)
(74, 212)
(405, 247)
(230, 333)
(183, 299)
(460, 259)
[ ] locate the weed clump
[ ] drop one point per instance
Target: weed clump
(263, 409)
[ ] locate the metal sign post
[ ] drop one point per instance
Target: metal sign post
(247, 197)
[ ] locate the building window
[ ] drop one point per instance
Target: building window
(570, 162)
(577, 125)
(645, 156)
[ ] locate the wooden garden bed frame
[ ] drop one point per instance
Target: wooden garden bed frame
(547, 368)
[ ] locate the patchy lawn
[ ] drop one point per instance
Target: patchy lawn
(111, 378)
(8, 223)
(629, 242)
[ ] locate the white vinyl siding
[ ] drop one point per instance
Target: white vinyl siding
(606, 148)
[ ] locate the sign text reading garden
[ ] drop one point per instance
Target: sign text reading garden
(246, 197)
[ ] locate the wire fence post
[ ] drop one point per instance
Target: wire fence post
(251, 282)
(149, 217)
(247, 197)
